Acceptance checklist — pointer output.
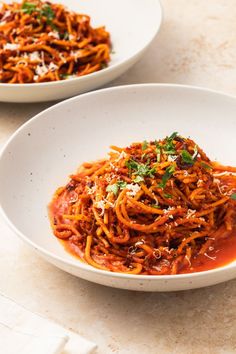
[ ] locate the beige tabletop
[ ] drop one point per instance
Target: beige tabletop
(197, 46)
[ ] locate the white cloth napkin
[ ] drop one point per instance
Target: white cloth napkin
(24, 332)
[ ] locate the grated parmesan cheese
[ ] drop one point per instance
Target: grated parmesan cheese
(138, 243)
(212, 258)
(190, 213)
(100, 205)
(54, 34)
(34, 56)
(71, 37)
(52, 67)
(7, 14)
(121, 156)
(92, 190)
(41, 70)
(61, 56)
(171, 158)
(11, 46)
(199, 183)
(133, 189)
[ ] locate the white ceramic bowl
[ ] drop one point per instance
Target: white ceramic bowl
(44, 151)
(133, 24)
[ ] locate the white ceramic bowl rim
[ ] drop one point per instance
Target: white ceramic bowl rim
(85, 266)
(96, 73)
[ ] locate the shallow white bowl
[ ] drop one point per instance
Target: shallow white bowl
(133, 24)
(44, 151)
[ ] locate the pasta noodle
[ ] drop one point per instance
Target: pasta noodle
(158, 207)
(42, 41)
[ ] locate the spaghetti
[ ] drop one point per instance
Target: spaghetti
(159, 207)
(42, 41)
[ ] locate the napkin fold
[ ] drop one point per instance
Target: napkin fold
(24, 332)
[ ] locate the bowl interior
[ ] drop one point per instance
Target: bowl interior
(44, 151)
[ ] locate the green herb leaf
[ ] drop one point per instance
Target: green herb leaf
(48, 12)
(65, 36)
(233, 196)
(186, 157)
(138, 179)
(28, 8)
(158, 151)
(167, 175)
(144, 145)
(172, 136)
(168, 196)
(121, 184)
(155, 206)
(206, 166)
(113, 188)
(65, 76)
(104, 65)
(169, 147)
(140, 169)
(143, 155)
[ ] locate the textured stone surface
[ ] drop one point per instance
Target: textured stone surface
(197, 46)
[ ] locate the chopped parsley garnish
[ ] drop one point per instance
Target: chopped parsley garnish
(121, 184)
(168, 196)
(138, 179)
(158, 151)
(65, 36)
(144, 145)
(28, 8)
(65, 76)
(167, 175)
(143, 156)
(140, 169)
(104, 65)
(47, 12)
(206, 166)
(169, 147)
(173, 136)
(186, 157)
(114, 188)
(155, 206)
(233, 196)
